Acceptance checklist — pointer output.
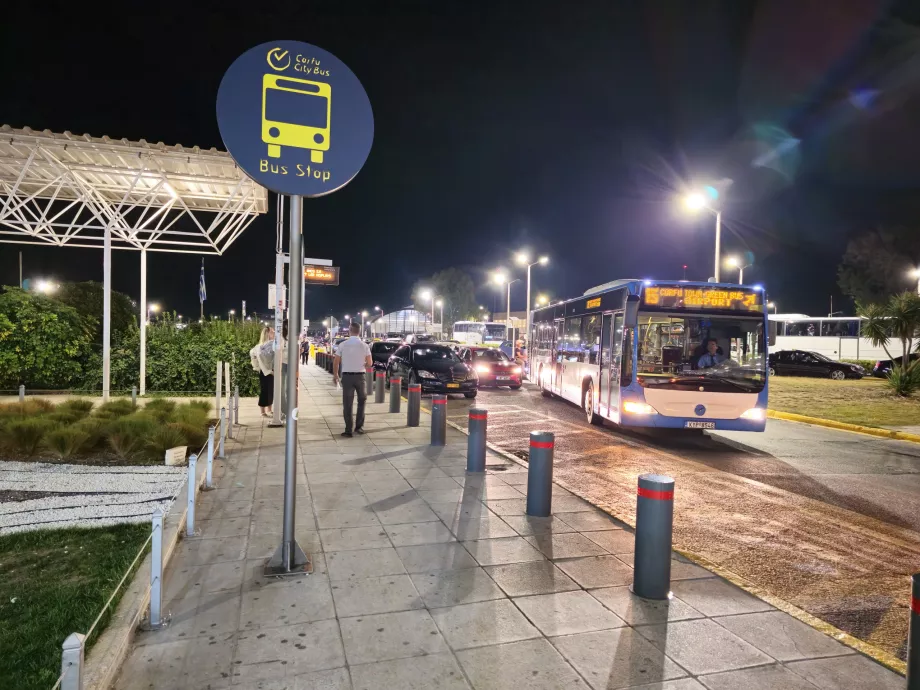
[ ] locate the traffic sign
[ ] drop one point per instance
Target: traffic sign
(295, 118)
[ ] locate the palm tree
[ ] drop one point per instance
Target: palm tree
(899, 318)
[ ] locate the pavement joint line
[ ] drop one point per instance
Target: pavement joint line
(876, 654)
(890, 434)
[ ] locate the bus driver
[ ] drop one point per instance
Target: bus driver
(712, 357)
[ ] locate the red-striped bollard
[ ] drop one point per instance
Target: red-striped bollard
(378, 387)
(540, 474)
(654, 525)
(413, 409)
(913, 636)
(476, 443)
(438, 420)
(395, 393)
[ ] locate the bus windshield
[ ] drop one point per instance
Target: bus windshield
(675, 349)
(495, 331)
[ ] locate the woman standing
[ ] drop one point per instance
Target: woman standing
(262, 358)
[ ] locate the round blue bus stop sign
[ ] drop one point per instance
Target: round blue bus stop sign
(295, 118)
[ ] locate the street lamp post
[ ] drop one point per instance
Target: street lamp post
(440, 303)
(501, 278)
(772, 305)
(231, 313)
(735, 263)
(524, 260)
(916, 274)
(698, 201)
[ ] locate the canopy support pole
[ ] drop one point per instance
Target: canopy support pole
(143, 305)
(106, 313)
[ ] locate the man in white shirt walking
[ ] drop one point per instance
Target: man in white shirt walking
(352, 359)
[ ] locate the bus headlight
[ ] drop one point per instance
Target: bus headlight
(633, 407)
(756, 413)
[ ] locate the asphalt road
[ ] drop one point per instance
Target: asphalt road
(827, 520)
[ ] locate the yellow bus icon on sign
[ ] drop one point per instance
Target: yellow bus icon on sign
(295, 112)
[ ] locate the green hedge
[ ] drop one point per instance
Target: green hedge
(867, 364)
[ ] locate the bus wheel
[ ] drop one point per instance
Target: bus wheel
(593, 418)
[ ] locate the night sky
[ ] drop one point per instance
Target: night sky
(568, 128)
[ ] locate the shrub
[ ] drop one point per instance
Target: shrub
(66, 442)
(867, 364)
(115, 408)
(95, 430)
(192, 414)
(26, 435)
(160, 408)
(162, 439)
(29, 408)
(903, 383)
(127, 435)
(64, 417)
(195, 436)
(78, 405)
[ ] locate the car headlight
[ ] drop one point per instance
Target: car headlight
(426, 374)
(515, 370)
(755, 413)
(482, 368)
(633, 407)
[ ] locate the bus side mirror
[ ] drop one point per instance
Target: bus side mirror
(632, 310)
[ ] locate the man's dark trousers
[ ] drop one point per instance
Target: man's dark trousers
(351, 384)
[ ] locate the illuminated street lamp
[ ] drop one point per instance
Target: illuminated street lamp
(524, 260)
(46, 286)
(151, 310)
(697, 201)
(772, 305)
(231, 313)
(734, 262)
(440, 303)
(916, 274)
(501, 278)
(428, 295)
(542, 300)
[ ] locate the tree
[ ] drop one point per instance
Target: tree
(455, 288)
(897, 318)
(876, 265)
(43, 343)
(87, 299)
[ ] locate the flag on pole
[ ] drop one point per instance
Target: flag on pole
(202, 291)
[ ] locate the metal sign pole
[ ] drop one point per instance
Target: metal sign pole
(279, 321)
(290, 559)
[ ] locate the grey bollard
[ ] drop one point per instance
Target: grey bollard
(438, 420)
(913, 636)
(230, 417)
(378, 387)
(223, 432)
(22, 393)
(413, 410)
(236, 404)
(654, 522)
(329, 363)
(476, 443)
(72, 662)
(395, 393)
(134, 396)
(209, 472)
(368, 381)
(540, 474)
(319, 360)
(192, 481)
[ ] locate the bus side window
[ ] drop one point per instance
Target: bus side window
(626, 372)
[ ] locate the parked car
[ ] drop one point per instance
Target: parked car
(803, 363)
(380, 353)
(493, 367)
(437, 368)
(883, 367)
(419, 338)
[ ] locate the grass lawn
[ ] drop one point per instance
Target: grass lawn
(53, 583)
(866, 401)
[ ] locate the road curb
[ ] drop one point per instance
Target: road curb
(879, 655)
(844, 426)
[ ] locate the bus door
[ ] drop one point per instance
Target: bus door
(604, 376)
(558, 357)
(616, 357)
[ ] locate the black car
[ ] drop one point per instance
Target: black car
(380, 353)
(883, 367)
(803, 363)
(436, 367)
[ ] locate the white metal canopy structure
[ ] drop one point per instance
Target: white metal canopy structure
(71, 190)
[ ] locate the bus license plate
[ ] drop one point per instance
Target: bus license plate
(453, 385)
(699, 425)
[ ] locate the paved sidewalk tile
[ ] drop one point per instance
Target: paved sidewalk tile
(390, 636)
(433, 557)
(503, 550)
(288, 651)
(716, 597)
(454, 587)
(375, 595)
(531, 664)
(483, 623)
(851, 672)
(759, 678)
(366, 563)
(436, 671)
(535, 577)
(782, 637)
(638, 611)
(567, 613)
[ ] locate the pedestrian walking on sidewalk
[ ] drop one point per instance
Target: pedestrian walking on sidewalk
(304, 351)
(352, 359)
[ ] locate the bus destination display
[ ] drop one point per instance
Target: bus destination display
(682, 297)
(320, 275)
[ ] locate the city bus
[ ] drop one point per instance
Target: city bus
(486, 333)
(630, 351)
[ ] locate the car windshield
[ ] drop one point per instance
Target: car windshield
(435, 353)
(495, 332)
(490, 356)
(819, 356)
(673, 346)
(385, 347)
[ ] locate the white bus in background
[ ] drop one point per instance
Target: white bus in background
(835, 337)
(486, 333)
